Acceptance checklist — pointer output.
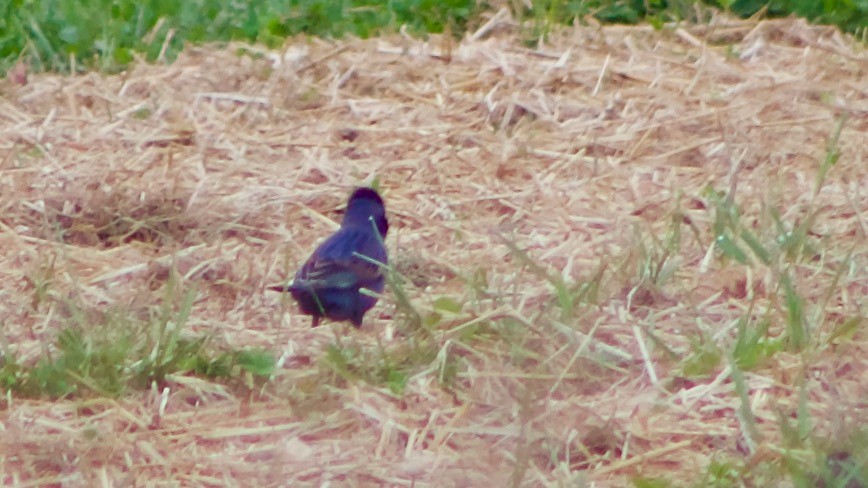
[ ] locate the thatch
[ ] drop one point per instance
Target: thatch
(236, 159)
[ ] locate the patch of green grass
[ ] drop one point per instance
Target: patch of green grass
(849, 15)
(753, 344)
(62, 35)
(539, 17)
(409, 314)
(782, 248)
(720, 474)
(781, 251)
(812, 460)
(747, 421)
(391, 369)
(108, 353)
(568, 296)
(642, 482)
(655, 261)
(704, 359)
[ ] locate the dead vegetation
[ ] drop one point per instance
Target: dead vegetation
(555, 213)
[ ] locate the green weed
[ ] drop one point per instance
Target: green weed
(107, 353)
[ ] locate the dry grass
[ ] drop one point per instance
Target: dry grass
(509, 174)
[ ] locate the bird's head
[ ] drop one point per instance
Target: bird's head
(366, 205)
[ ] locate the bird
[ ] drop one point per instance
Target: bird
(330, 283)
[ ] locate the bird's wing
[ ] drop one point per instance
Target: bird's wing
(338, 262)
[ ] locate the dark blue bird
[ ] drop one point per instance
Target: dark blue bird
(329, 283)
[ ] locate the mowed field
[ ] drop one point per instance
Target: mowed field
(625, 256)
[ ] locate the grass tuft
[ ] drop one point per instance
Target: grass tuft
(109, 353)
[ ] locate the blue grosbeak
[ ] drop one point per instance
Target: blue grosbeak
(328, 284)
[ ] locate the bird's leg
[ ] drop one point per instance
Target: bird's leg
(357, 319)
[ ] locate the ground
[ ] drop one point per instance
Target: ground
(632, 254)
